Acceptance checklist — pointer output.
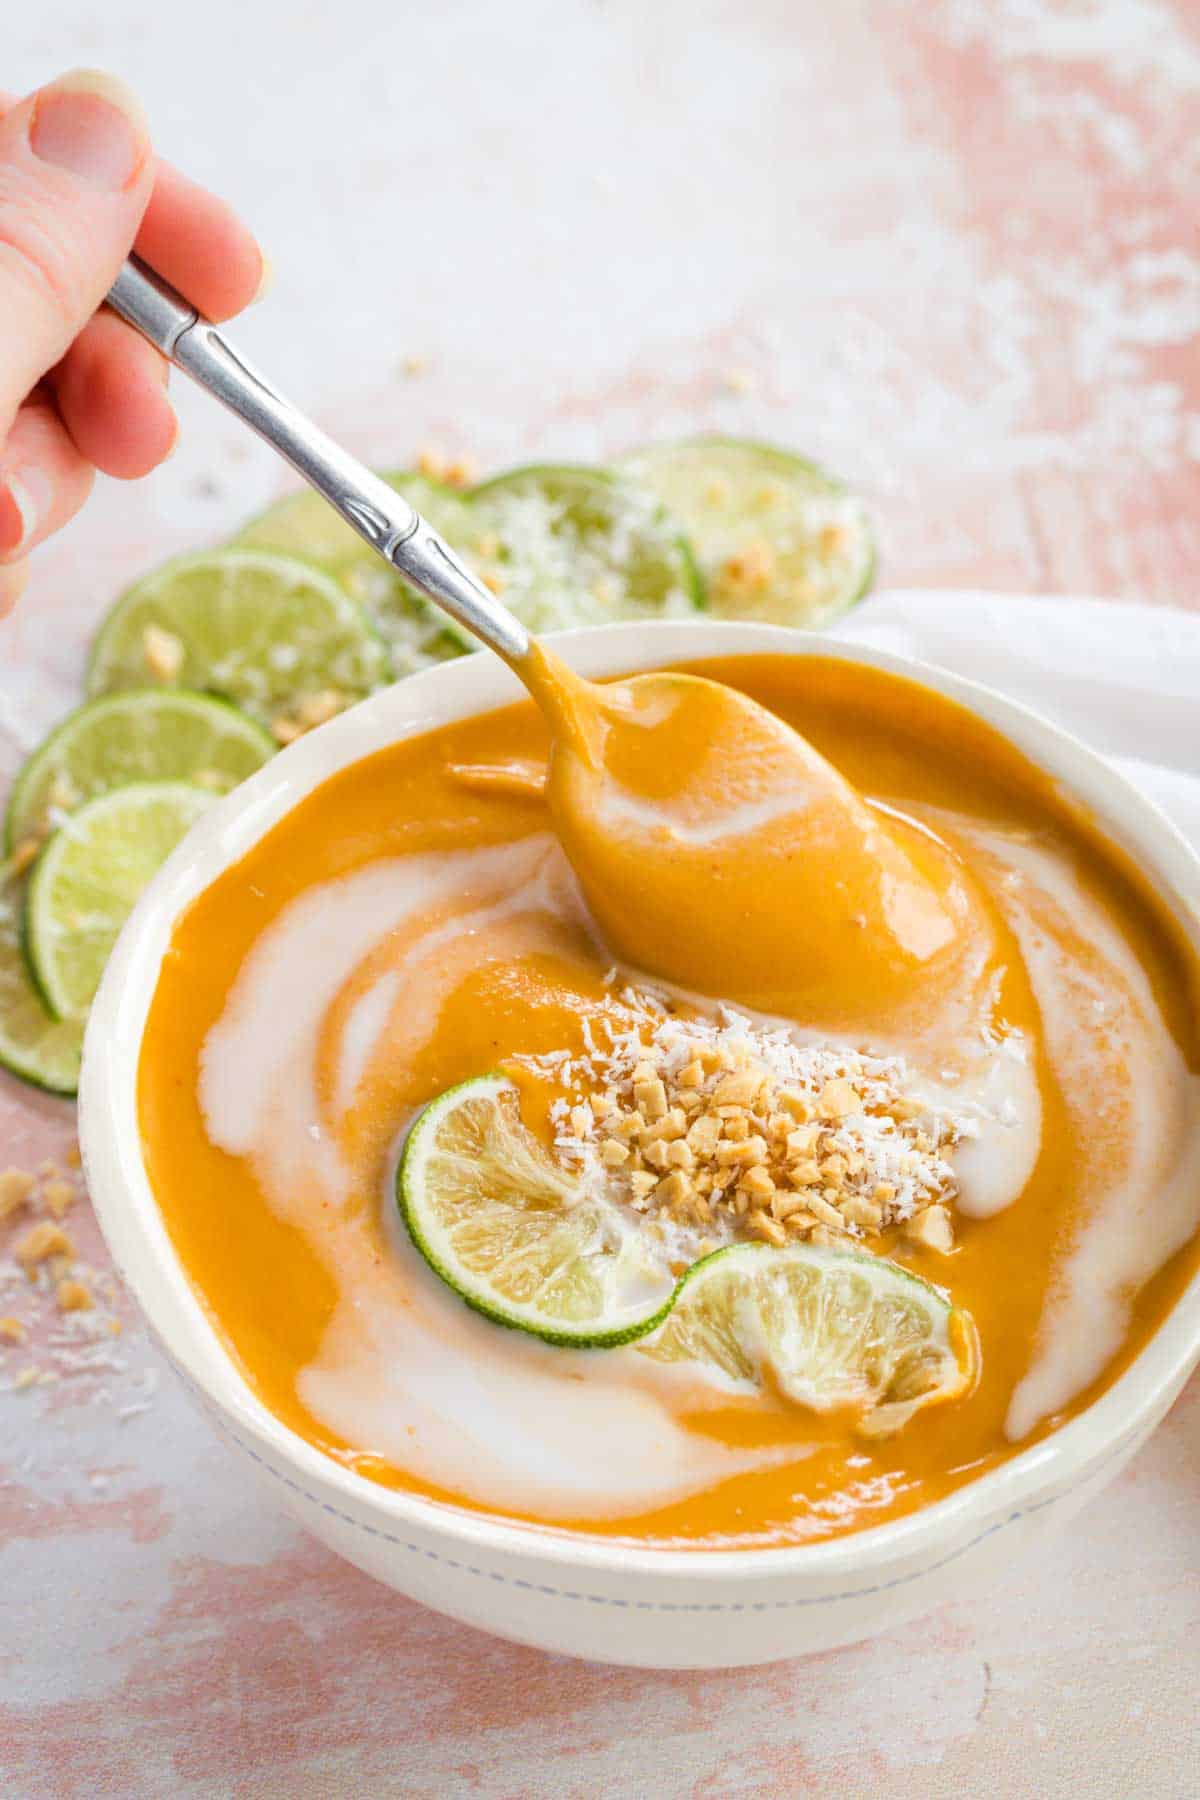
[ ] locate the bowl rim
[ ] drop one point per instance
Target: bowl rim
(134, 1230)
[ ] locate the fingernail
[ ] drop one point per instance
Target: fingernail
(24, 503)
(173, 446)
(12, 586)
(266, 280)
(92, 126)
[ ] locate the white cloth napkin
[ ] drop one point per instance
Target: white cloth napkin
(1125, 679)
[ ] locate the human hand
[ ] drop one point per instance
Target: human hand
(79, 389)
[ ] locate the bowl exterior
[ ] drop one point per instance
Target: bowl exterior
(530, 1596)
(590, 1597)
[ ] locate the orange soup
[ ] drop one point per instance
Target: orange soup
(1008, 1109)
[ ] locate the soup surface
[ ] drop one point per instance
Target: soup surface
(415, 923)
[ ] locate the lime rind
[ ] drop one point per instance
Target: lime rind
(40, 1050)
(139, 734)
(261, 629)
(514, 1234)
(830, 1329)
(776, 536)
(87, 880)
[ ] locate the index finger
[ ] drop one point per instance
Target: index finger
(198, 244)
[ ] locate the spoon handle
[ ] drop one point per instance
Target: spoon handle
(376, 511)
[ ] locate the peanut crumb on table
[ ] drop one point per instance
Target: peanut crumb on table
(16, 1186)
(42, 1241)
(58, 1197)
(73, 1296)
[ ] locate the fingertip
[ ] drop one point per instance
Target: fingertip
(199, 244)
(111, 389)
(13, 580)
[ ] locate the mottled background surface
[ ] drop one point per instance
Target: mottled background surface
(950, 247)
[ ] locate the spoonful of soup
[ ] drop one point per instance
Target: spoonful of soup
(709, 838)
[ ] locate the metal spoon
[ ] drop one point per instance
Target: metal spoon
(588, 723)
(380, 515)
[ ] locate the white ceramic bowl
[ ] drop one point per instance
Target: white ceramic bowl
(588, 1597)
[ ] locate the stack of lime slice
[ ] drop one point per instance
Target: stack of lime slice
(90, 817)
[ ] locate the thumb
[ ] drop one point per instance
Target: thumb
(76, 171)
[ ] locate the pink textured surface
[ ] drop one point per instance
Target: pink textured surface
(948, 247)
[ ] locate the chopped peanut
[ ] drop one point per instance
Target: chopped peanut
(317, 709)
(931, 1229)
(738, 1089)
(838, 1098)
(11, 1331)
(751, 569)
(785, 1205)
(758, 1184)
(703, 1135)
(431, 462)
(764, 1226)
(41, 1242)
(673, 1124)
(16, 1186)
(701, 1125)
(163, 653)
(24, 855)
(73, 1296)
(821, 1209)
(651, 1097)
(867, 1213)
(675, 1191)
(58, 1197)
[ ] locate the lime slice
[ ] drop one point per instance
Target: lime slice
(144, 734)
(268, 632)
(829, 1329)
(87, 879)
(33, 1046)
(775, 536)
(576, 546)
(305, 525)
(514, 1234)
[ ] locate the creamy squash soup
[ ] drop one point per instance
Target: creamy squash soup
(700, 1123)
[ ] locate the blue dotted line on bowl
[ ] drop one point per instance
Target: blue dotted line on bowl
(667, 1606)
